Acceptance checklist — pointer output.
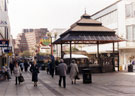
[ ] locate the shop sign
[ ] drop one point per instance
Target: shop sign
(4, 43)
(8, 50)
(45, 41)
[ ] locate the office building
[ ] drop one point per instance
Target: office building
(120, 16)
(29, 39)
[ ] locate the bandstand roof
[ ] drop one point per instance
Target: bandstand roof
(88, 31)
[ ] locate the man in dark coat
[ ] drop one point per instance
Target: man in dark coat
(26, 65)
(11, 67)
(52, 66)
(35, 70)
(56, 66)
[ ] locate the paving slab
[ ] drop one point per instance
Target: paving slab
(103, 84)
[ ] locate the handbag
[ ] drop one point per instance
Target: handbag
(77, 74)
(21, 78)
(77, 77)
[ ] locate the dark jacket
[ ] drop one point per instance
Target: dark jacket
(11, 66)
(34, 70)
(62, 68)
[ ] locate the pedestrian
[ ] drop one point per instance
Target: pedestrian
(26, 65)
(34, 70)
(17, 72)
(52, 66)
(62, 68)
(48, 67)
(56, 66)
(21, 64)
(73, 72)
(11, 66)
(133, 62)
(6, 72)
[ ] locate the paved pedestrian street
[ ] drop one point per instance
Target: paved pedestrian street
(103, 84)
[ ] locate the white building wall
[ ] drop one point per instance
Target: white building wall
(127, 48)
(121, 19)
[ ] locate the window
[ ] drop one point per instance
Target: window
(134, 9)
(130, 10)
(134, 32)
(2, 32)
(131, 33)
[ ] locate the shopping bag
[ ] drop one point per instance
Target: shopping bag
(21, 78)
(77, 76)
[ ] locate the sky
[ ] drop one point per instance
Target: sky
(50, 13)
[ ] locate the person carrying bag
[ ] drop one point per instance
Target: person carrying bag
(17, 72)
(74, 72)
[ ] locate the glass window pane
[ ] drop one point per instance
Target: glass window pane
(2, 31)
(134, 9)
(134, 32)
(129, 10)
(129, 33)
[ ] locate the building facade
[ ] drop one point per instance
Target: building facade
(20, 43)
(28, 39)
(5, 34)
(120, 16)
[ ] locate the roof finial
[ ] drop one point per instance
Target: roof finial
(85, 11)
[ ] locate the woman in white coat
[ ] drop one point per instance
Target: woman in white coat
(17, 72)
(73, 71)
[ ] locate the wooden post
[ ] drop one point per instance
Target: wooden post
(70, 52)
(57, 50)
(61, 52)
(118, 56)
(98, 56)
(113, 57)
(98, 50)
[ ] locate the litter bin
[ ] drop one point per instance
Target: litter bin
(130, 68)
(87, 75)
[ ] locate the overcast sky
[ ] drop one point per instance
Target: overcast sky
(50, 13)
